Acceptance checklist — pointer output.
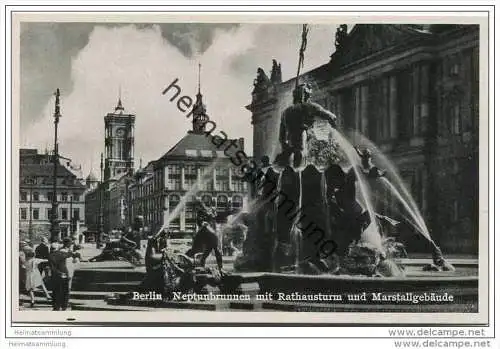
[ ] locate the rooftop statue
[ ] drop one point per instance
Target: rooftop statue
(340, 35)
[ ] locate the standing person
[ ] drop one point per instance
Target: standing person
(42, 251)
(22, 268)
(61, 274)
(33, 276)
(72, 262)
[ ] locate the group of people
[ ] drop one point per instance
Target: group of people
(49, 267)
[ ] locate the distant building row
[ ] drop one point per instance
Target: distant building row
(36, 194)
(164, 191)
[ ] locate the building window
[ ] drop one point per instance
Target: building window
(50, 196)
(222, 172)
(36, 196)
(190, 175)
(454, 115)
(239, 185)
(237, 202)
(222, 203)
(64, 197)
(64, 213)
(23, 212)
(48, 213)
(76, 197)
(454, 67)
(76, 214)
(36, 214)
(207, 179)
(222, 185)
(173, 202)
(207, 200)
(222, 178)
(190, 217)
(119, 149)
(23, 196)
(174, 177)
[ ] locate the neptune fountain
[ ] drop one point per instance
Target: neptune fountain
(313, 209)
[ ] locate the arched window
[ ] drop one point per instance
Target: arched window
(173, 201)
(222, 203)
(207, 200)
(237, 202)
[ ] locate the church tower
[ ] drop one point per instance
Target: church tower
(200, 117)
(118, 142)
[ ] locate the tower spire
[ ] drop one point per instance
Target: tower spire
(119, 106)
(199, 78)
(200, 117)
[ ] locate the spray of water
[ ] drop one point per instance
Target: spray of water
(411, 212)
(401, 216)
(207, 176)
(370, 234)
(250, 206)
(399, 189)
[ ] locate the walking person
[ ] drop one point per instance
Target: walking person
(22, 269)
(33, 276)
(42, 251)
(61, 275)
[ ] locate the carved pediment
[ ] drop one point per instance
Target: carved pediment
(367, 39)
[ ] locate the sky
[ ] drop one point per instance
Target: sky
(92, 62)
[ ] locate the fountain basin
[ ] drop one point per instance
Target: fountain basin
(445, 289)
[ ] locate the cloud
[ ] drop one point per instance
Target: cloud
(143, 63)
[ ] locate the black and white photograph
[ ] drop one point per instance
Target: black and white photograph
(277, 171)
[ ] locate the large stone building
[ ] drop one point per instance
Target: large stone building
(36, 192)
(412, 90)
(196, 168)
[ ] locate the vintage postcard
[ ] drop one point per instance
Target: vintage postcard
(174, 168)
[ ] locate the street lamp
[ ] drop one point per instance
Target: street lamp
(54, 224)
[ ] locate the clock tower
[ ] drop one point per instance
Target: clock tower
(118, 142)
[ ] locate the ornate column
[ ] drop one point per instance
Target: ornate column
(364, 111)
(393, 116)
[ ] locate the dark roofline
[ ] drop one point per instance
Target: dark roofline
(328, 65)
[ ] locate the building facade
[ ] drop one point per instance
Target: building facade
(118, 142)
(196, 168)
(414, 92)
(36, 193)
(141, 195)
(107, 201)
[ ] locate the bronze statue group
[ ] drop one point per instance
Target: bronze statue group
(168, 272)
(341, 213)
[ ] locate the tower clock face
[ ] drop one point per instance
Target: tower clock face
(120, 132)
